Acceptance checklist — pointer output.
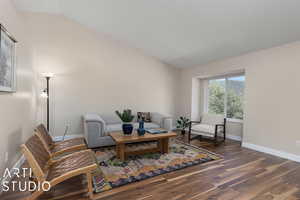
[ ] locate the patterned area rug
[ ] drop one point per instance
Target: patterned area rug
(114, 173)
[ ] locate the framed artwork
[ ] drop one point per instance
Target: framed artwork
(7, 61)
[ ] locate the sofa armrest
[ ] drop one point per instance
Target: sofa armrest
(168, 124)
(91, 117)
(94, 126)
(164, 121)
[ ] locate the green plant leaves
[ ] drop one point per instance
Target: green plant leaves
(183, 122)
(126, 116)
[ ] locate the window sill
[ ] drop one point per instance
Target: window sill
(240, 121)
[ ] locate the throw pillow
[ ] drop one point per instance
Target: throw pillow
(145, 116)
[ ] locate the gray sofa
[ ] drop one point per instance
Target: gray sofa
(97, 128)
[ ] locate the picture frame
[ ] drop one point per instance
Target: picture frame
(7, 61)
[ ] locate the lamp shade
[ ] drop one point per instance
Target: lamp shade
(48, 74)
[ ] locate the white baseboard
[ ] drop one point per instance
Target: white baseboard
(271, 151)
(234, 137)
(17, 165)
(67, 137)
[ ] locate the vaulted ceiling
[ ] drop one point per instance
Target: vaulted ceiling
(184, 33)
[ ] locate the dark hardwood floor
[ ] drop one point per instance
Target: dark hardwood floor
(243, 174)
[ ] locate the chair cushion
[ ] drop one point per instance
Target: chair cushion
(204, 128)
(212, 119)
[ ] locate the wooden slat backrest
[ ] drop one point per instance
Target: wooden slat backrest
(47, 147)
(37, 156)
(41, 129)
(76, 161)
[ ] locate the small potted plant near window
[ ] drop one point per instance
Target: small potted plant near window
(126, 118)
(183, 123)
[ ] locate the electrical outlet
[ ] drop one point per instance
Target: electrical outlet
(6, 157)
(298, 143)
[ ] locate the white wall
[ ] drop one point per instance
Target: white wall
(96, 74)
(271, 95)
(18, 110)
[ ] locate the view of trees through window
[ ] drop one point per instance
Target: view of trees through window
(226, 96)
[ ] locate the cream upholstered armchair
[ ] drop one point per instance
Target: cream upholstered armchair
(210, 125)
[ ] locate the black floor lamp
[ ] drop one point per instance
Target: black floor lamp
(45, 94)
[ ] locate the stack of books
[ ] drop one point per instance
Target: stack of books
(156, 130)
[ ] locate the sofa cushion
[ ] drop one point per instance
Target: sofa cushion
(151, 125)
(113, 127)
(118, 127)
(146, 125)
(111, 119)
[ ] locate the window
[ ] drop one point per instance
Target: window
(226, 96)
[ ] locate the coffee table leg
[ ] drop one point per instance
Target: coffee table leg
(160, 144)
(117, 151)
(122, 152)
(166, 145)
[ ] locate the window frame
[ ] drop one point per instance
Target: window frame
(206, 95)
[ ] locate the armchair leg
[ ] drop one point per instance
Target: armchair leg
(216, 139)
(190, 130)
(216, 135)
(224, 129)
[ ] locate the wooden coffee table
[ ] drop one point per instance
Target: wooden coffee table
(121, 141)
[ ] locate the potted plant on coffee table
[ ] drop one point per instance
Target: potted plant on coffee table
(126, 117)
(182, 124)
